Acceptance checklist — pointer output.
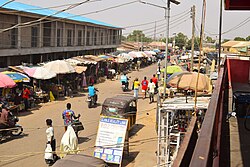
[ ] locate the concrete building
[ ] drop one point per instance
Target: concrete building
(30, 34)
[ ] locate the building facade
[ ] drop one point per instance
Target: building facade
(29, 36)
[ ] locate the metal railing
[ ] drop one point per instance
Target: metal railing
(207, 150)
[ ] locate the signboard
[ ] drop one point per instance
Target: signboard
(237, 4)
(110, 139)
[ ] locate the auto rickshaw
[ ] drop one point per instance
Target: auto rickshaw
(121, 106)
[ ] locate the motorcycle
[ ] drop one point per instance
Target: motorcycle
(15, 130)
(77, 125)
(124, 86)
(92, 100)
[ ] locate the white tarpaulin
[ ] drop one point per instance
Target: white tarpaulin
(69, 142)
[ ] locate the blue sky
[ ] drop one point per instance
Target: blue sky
(138, 13)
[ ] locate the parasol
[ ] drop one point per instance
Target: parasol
(39, 73)
(59, 67)
(17, 77)
(172, 69)
(6, 81)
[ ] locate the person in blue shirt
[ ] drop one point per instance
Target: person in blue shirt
(92, 92)
(124, 80)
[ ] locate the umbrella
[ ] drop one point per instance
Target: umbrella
(6, 81)
(79, 160)
(39, 73)
(136, 54)
(17, 77)
(172, 69)
(59, 67)
(187, 81)
(177, 74)
(156, 50)
(150, 52)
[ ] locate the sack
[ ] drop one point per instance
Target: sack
(48, 155)
(133, 86)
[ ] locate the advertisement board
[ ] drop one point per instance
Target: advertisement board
(110, 139)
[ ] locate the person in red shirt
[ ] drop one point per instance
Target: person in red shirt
(26, 95)
(144, 86)
(155, 80)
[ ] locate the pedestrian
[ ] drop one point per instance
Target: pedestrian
(138, 64)
(51, 137)
(26, 96)
(155, 80)
(136, 85)
(68, 116)
(144, 87)
(151, 91)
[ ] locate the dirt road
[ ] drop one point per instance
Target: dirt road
(27, 151)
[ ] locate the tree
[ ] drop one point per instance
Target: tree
(181, 40)
(196, 44)
(225, 40)
(239, 39)
(123, 38)
(138, 36)
(210, 39)
(248, 38)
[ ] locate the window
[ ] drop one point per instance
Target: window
(46, 34)
(114, 37)
(79, 38)
(69, 38)
(58, 40)
(34, 36)
(95, 38)
(88, 38)
(13, 37)
(102, 41)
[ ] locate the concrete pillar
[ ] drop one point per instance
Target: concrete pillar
(31, 59)
(40, 35)
(64, 41)
(85, 35)
(55, 42)
(75, 36)
(19, 32)
(8, 61)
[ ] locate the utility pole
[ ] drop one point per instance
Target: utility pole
(193, 34)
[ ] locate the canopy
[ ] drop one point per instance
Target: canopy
(39, 73)
(6, 81)
(172, 69)
(80, 69)
(187, 81)
(150, 52)
(137, 54)
(59, 67)
(17, 77)
(79, 160)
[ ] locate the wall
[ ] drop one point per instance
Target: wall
(238, 70)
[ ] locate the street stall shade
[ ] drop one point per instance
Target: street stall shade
(59, 67)
(6, 81)
(17, 77)
(172, 69)
(39, 73)
(79, 160)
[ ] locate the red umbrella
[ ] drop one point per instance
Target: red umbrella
(6, 81)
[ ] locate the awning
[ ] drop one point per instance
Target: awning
(84, 60)
(80, 69)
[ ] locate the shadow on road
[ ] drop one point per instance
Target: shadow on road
(83, 139)
(136, 128)
(8, 139)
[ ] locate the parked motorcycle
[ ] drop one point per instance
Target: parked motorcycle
(15, 130)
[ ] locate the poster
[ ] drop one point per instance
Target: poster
(110, 139)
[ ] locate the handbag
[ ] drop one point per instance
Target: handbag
(48, 155)
(79, 125)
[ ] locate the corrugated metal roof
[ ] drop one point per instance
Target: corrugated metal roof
(46, 12)
(230, 43)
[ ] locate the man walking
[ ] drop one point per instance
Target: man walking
(136, 85)
(68, 116)
(151, 90)
(144, 86)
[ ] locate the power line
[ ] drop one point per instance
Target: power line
(39, 20)
(6, 3)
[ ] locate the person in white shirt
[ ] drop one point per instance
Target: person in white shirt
(50, 136)
(151, 91)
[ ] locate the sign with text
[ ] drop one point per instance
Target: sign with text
(110, 139)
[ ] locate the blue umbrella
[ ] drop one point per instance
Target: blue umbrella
(17, 77)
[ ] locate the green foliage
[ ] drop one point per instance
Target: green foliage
(239, 39)
(248, 38)
(196, 43)
(225, 40)
(209, 39)
(181, 40)
(138, 36)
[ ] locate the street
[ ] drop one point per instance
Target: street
(28, 150)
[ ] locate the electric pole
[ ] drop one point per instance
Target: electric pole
(193, 35)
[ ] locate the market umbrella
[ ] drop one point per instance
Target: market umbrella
(136, 54)
(172, 69)
(17, 77)
(150, 52)
(156, 50)
(6, 81)
(79, 160)
(39, 73)
(59, 67)
(188, 81)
